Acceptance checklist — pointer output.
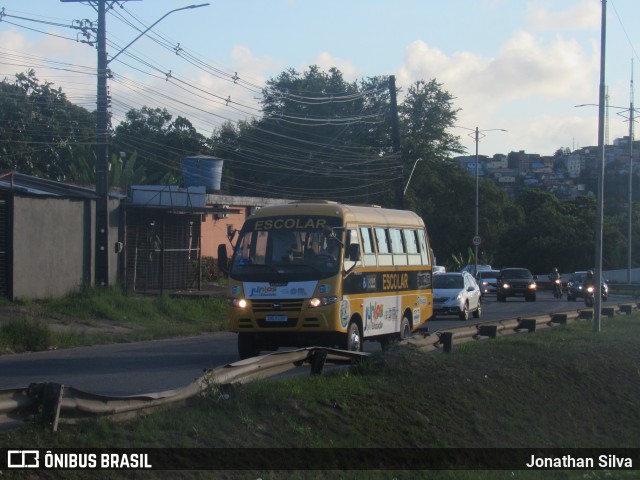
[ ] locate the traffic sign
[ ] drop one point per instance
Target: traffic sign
(477, 240)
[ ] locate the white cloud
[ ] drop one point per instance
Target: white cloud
(326, 61)
(529, 77)
(255, 69)
(525, 66)
(584, 15)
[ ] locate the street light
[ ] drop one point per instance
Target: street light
(631, 110)
(153, 25)
(476, 238)
(410, 175)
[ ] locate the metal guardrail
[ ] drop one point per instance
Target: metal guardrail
(447, 338)
(58, 403)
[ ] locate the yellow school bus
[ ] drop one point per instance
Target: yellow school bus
(320, 273)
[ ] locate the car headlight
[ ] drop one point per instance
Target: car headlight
(238, 302)
(322, 301)
(532, 286)
(506, 285)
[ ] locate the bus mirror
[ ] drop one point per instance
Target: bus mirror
(231, 232)
(223, 259)
(354, 252)
(329, 233)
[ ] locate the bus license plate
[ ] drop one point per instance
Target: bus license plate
(276, 318)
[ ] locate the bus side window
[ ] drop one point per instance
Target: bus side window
(351, 238)
(368, 251)
(424, 251)
(411, 241)
(382, 242)
(397, 247)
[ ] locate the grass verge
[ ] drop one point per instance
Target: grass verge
(97, 316)
(564, 388)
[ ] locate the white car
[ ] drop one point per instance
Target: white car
(456, 293)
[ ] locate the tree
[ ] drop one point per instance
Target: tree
(42, 133)
(426, 115)
(552, 234)
(318, 137)
(124, 172)
(159, 143)
(442, 191)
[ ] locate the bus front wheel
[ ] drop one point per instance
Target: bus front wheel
(247, 346)
(353, 341)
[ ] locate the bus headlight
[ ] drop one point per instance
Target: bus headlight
(322, 301)
(238, 302)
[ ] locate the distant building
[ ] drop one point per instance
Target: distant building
(498, 161)
(574, 165)
(557, 174)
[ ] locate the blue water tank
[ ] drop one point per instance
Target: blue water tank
(202, 170)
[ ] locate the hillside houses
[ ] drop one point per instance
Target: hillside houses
(566, 174)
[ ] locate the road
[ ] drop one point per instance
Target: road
(512, 308)
(161, 365)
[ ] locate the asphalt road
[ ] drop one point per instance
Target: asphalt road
(161, 365)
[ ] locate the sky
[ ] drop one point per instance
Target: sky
(515, 65)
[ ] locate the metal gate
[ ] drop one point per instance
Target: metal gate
(162, 251)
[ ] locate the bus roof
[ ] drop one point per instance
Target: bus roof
(361, 214)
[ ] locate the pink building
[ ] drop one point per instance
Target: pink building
(215, 225)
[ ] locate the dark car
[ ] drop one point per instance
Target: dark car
(574, 286)
(488, 281)
(516, 282)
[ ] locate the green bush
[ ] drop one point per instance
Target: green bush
(27, 335)
(210, 271)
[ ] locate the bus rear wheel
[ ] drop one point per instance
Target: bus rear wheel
(353, 340)
(248, 346)
(405, 329)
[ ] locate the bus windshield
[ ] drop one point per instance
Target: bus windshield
(288, 248)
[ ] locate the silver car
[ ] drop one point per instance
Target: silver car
(456, 293)
(488, 281)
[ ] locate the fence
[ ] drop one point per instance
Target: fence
(162, 251)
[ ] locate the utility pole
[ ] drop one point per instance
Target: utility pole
(597, 304)
(395, 132)
(102, 137)
(476, 237)
(477, 240)
(631, 111)
(630, 216)
(102, 161)
(101, 271)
